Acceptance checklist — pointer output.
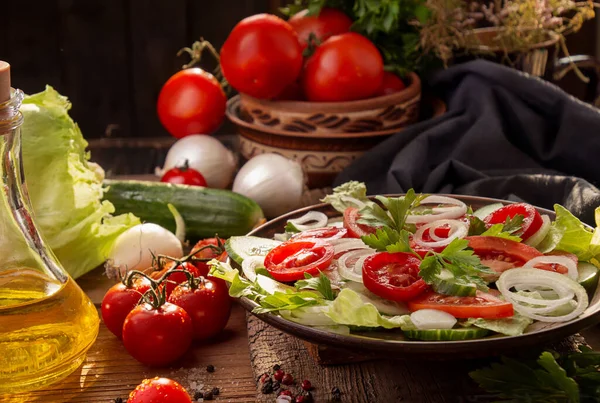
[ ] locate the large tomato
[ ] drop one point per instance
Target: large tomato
(501, 254)
(329, 22)
(345, 67)
(482, 305)
(261, 56)
(191, 102)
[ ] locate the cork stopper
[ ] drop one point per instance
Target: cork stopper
(4, 81)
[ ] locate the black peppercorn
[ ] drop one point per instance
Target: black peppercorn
(210, 368)
(267, 388)
(276, 367)
(215, 391)
(119, 400)
(198, 395)
(276, 385)
(207, 395)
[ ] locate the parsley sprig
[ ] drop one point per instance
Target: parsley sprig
(395, 213)
(510, 229)
(572, 378)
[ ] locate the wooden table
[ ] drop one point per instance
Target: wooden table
(109, 372)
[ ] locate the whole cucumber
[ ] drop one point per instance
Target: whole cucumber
(206, 211)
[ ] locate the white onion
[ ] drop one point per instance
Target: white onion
(348, 199)
(345, 244)
(315, 218)
(133, 249)
(458, 229)
(353, 273)
(554, 259)
(250, 264)
(274, 182)
(455, 210)
(206, 155)
(527, 278)
(425, 319)
(539, 236)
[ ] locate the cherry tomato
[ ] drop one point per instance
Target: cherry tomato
(191, 102)
(159, 390)
(184, 176)
(177, 278)
(345, 67)
(532, 220)
(501, 254)
(119, 301)
(482, 305)
(157, 336)
(207, 253)
(261, 56)
(290, 260)
(327, 233)
(391, 84)
(208, 305)
(393, 276)
(329, 22)
(356, 230)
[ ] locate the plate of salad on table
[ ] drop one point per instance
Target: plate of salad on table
(442, 276)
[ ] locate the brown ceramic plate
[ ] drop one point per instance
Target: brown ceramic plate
(393, 342)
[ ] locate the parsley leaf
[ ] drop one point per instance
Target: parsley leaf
(476, 226)
(291, 228)
(398, 209)
(498, 231)
(512, 225)
(321, 284)
(386, 239)
(506, 230)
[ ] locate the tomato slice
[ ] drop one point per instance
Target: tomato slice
(482, 305)
(393, 276)
(327, 233)
(290, 260)
(532, 220)
(501, 254)
(356, 230)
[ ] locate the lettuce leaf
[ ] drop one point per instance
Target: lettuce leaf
(353, 189)
(568, 234)
(65, 188)
(350, 309)
(513, 326)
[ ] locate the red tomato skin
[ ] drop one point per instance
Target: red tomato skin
(207, 253)
(355, 230)
(184, 176)
(292, 92)
(209, 306)
(378, 281)
(483, 305)
(157, 337)
(191, 102)
(519, 253)
(177, 278)
(345, 67)
(118, 302)
(328, 23)
(532, 220)
(282, 266)
(159, 390)
(261, 56)
(391, 84)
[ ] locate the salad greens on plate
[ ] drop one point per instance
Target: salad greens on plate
(426, 265)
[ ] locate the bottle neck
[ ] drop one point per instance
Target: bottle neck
(10, 117)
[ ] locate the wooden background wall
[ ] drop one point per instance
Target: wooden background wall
(111, 57)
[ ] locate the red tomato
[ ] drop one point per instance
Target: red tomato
(327, 233)
(557, 267)
(501, 254)
(191, 102)
(207, 253)
(391, 84)
(355, 230)
(290, 260)
(157, 336)
(345, 67)
(208, 305)
(532, 220)
(159, 390)
(292, 92)
(329, 22)
(177, 278)
(482, 305)
(261, 56)
(184, 176)
(119, 301)
(393, 276)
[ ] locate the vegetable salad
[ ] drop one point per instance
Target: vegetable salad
(427, 265)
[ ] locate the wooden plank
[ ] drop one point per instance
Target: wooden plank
(158, 31)
(29, 42)
(94, 65)
(109, 372)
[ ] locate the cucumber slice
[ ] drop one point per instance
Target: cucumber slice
(447, 334)
(487, 210)
(451, 287)
(240, 247)
(588, 276)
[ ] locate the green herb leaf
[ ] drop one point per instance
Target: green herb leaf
(291, 228)
(397, 207)
(514, 224)
(476, 226)
(497, 230)
(387, 239)
(321, 284)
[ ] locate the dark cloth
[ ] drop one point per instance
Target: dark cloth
(505, 135)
